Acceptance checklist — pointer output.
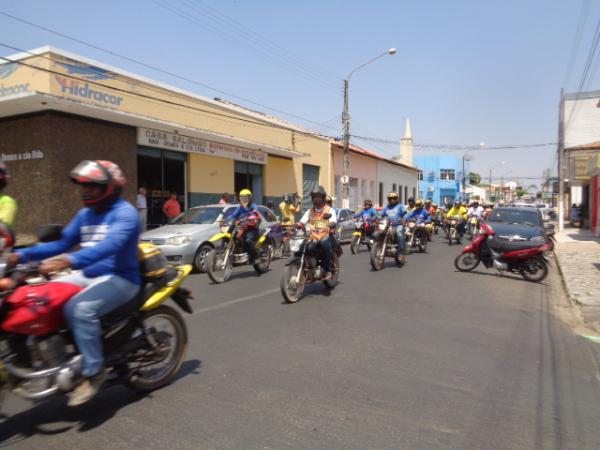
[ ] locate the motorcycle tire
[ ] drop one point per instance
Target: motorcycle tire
(176, 355)
(355, 245)
(470, 264)
(216, 275)
(263, 259)
(335, 275)
(290, 294)
(535, 274)
(377, 259)
(399, 258)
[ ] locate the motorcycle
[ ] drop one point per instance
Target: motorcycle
(385, 245)
(229, 249)
(144, 340)
(525, 258)
(416, 235)
(306, 265)
(362, 235)
(472, 227)
(454, 235)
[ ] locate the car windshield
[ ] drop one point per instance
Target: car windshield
(201, 216)
(530, 218)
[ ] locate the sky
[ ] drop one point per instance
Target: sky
(465, 71)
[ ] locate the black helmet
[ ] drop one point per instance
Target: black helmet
(410, 200)
(318, 191)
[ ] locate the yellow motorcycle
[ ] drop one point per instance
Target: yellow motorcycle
(229, 250)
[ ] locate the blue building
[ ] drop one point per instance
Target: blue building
(441, 177)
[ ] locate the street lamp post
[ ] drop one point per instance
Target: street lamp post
(490, 179)
(346, 124)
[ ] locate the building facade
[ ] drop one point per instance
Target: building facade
(57, 108)
(441, 176)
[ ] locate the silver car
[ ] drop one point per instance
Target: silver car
(186, 239)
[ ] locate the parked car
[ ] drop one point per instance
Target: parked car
(345, 225)
(513, 224)
(186, 239)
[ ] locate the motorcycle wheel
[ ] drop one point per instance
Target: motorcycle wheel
(465, 262)
(377, 256)
(355, 245)
(335, 275)
(423, 247)
(166, 330)
(292, 293)
(263, 258)
(536, 270)
(217, 269)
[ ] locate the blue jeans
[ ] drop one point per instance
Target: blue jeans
(400, 238)
(100, 296)
(327, 249)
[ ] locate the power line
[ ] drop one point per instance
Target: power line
(455, 147)
(158, 69)
(581, 21)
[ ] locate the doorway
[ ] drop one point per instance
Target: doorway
(161, 172)
(249, 176)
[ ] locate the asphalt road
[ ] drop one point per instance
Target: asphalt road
(420, 357)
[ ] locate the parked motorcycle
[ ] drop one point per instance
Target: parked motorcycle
(144, 340)
(525, 258)
(385, 245)
(362, 235)
(416, 236)
(306, 265)
(453, 233)
(229, 249)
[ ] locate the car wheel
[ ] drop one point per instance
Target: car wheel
(200, 258)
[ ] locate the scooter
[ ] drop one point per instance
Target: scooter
(525, 258)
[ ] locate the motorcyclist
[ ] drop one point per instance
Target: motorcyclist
(421, 215)
(107, 232)
(243, 210)
(411, 204)
(288, 208)
(396, 212)
(8, 206)
(475, 210)
(322, 218)
(329, 201)
(457, 210)
(368, 214)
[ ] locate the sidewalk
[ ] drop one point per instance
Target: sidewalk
(578, 257)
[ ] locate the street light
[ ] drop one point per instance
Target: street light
(346, 123)
(490, 179)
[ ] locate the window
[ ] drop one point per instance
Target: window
(447, 174)
(310, 181)
(380, 194)
(394, 187)
(420, 176)
(400, 193)
(414, 192)
(406, 192)
(372, 192)
(343, 215)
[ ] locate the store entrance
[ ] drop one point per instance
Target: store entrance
(249, 176)
(161, 172)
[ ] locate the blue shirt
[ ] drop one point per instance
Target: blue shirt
(241, 211)
(108, 240)
(420, 214)
(394, 213)
(367, 214)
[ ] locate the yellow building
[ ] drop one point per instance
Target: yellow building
(57, 108)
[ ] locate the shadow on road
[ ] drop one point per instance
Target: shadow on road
(55, 417)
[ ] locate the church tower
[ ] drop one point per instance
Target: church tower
(406, 145)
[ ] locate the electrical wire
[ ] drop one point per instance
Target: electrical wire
(581, 22)
(163, 71)
(454, 147)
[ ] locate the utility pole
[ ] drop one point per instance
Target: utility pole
(345, 177)
(490, 187)
(561, 178)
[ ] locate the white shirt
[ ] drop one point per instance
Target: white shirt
(332, 219)
(141, 202)
(477, 212)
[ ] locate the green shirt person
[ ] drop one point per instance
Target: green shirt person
(8, 205)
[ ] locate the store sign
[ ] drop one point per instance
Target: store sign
(86, 91)
(177, 142)
(24, 156)
(14, 89)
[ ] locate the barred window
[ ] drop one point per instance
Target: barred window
(447, 174)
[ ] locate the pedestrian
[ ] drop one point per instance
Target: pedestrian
(142, 206)
(224, 199)
(171, 207)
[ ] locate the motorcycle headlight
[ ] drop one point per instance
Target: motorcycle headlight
(224, 229)
(382, 226)
(295, 245)
(358, 225)
(178, 240)
(453, 222)
(411, 225)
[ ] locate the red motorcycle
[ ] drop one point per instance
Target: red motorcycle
(524, 258)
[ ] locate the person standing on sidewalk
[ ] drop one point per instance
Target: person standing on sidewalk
(171, 207)
(141, 204)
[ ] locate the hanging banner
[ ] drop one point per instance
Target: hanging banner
(188, 144)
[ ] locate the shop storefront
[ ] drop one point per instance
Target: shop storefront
(61, 108)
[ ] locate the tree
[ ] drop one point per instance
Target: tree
(474, 178)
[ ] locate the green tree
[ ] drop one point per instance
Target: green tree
(474, 178)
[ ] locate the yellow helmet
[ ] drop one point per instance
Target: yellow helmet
(246, 192)
(419, 203)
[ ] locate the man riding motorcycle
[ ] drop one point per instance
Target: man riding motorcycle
(411, 204)
(396, 212)
(457, 210)
(421, 215)
(288, 209)
(368, 214)
(322, 217)
(107, 231)
(475, 211)
(245, 208)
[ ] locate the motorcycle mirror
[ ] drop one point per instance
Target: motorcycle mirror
(327, 216)
(49, 233)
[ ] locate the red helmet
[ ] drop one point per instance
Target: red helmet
(103, 173)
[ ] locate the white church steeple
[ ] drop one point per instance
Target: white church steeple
(406, 145)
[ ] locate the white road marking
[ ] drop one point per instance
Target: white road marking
(235, 301)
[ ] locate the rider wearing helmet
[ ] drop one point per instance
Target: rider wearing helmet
(395, 212)
(411, 204)
(421, 215)
(8, 206)
(245, 208)
(329, 201)
(368, 213)
(322, 217)
(107, 232)
(458, 210)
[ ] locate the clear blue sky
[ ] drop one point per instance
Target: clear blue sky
(465, 71)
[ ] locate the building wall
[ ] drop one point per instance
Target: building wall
(583, 115)
(208, 178)
(390, 174)
(41, 186)
(432, 186)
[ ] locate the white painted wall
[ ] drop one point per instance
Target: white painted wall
(581, 120)
(389, 174)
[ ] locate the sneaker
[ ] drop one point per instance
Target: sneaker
(87, 389)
